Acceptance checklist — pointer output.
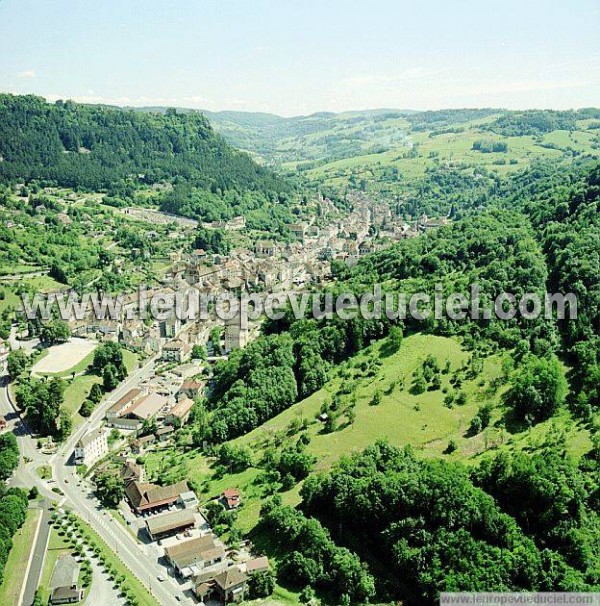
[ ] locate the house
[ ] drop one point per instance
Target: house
(175, 351)
(92, 447)
(181, 411)
(131, 472)
(66, 595)
(191, 388)
(189, 500)
(190, 557)
(236, 335)
(150, 497)
(264, 248)
(231, 498)
(298, 229)
(164, 433)
(169, 524)
(64, 581)
(139, 445)
(257, 565)
(231, 585)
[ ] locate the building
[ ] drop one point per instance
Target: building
(139, 445)
(257, 565)
(180, 413)
(175, 351)
(131, 472)
(189, 500)
(190, 389)
(64, 581)
(165, 433)
(169, 524)
(231, 498)
(236, 335)
(231, 585)
(150, 497)
(191, 557)
(92, 447)
(264, 248)
(121, 405)
(143, 409)
(66, 595)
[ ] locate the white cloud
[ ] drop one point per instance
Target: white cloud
(28, 74)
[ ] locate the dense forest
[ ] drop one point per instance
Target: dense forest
(99, 148)
(13, 501)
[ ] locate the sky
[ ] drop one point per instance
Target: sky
(295, 57)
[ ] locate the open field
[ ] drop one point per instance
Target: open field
(18, 557)
(65, 357)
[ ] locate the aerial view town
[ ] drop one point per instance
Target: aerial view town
(261, 346)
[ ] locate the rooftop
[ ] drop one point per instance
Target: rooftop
(170, 521)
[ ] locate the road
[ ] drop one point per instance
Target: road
(137, 557)
(34, 574)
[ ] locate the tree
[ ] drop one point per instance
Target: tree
(261, 585)
(109, 488)
(199, 352)
(110, 378)
(95, 393)
(16, 363)
(538, 388)
(54, 331)
(86, 408)
(9, 455)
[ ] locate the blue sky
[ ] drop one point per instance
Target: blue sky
(300, 56)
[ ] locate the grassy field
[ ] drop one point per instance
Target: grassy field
(18, 557)
(423, 421)
(78, 388)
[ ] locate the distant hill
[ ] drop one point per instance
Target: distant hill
(97, 147)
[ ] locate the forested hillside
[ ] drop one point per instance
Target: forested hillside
(96, 147)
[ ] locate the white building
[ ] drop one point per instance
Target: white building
(92, 447)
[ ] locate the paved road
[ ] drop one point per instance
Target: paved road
(137, 557)
(39, 553)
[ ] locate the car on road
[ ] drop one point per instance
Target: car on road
(160, 578)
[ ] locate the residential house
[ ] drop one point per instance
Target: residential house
(264, 248)
(257, 565)
(190, 389)
(91, 447)
(236, 335)
(180, 413)
(139, 445)
(231, 498)
(131, 472)
(231, 585)
(164, 433)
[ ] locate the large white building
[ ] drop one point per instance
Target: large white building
(92, 447)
